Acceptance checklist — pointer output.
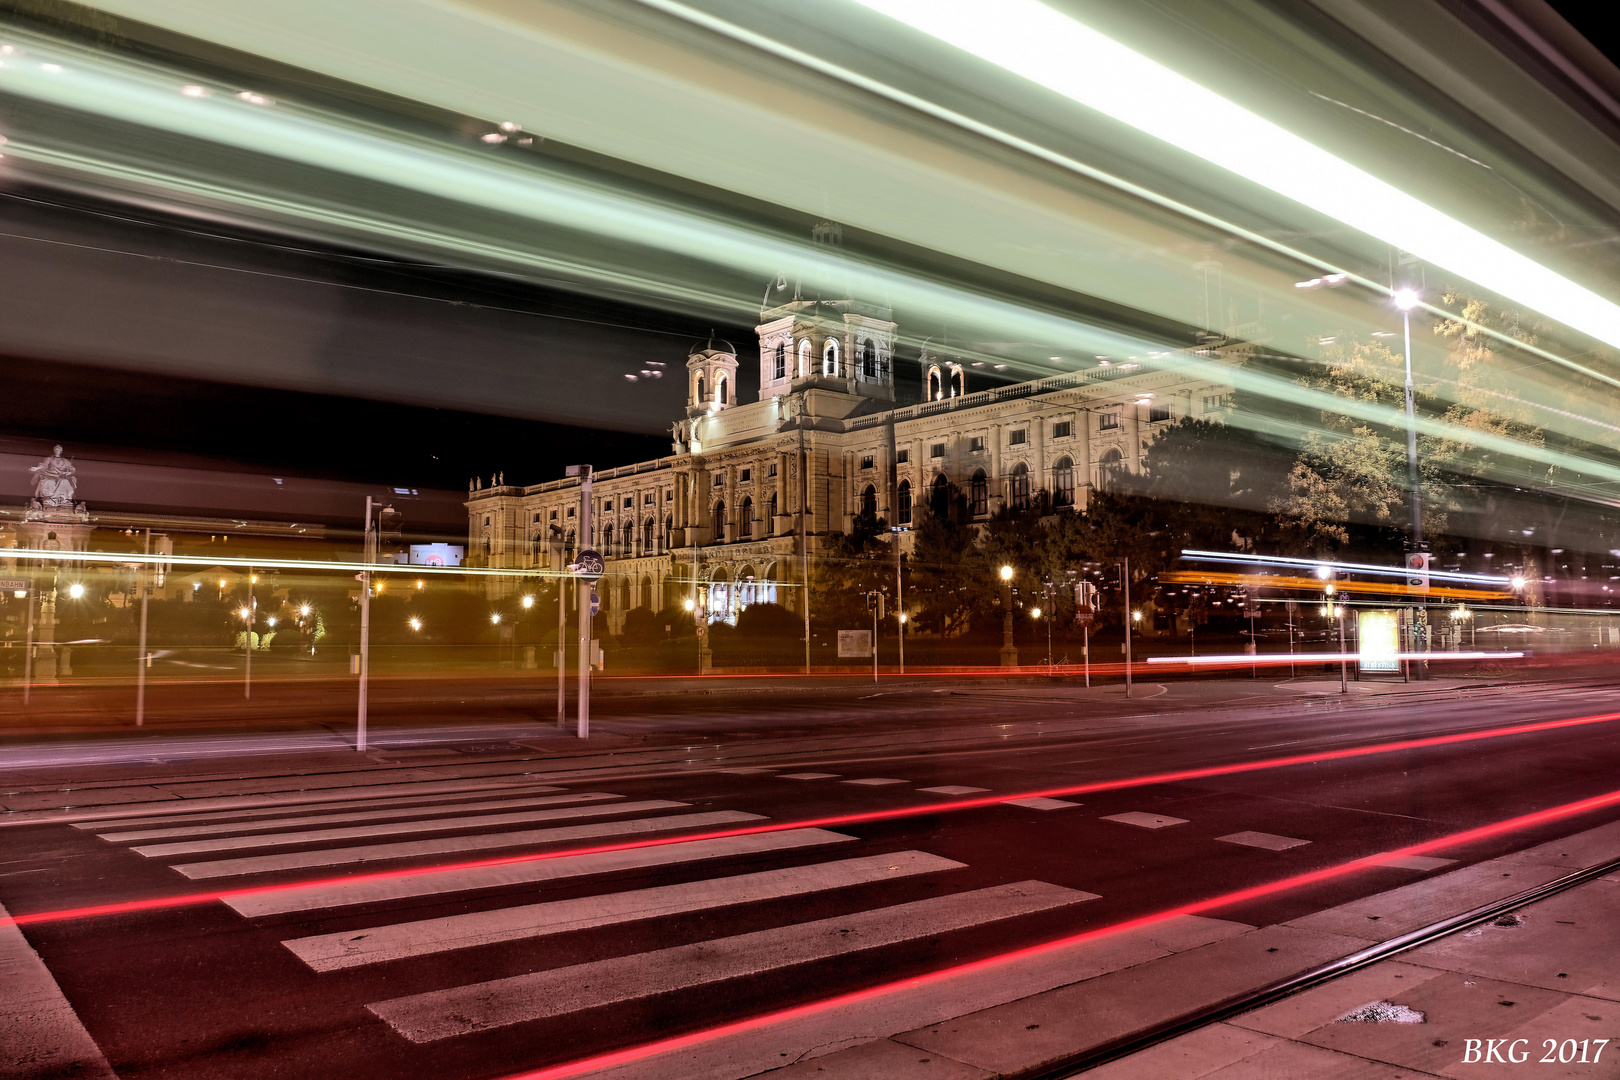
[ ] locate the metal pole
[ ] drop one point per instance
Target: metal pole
(875, 603)
(1125, 575)
(365, 634)
(900, 604)
(140, 653)
(804, 541)
(1344, 663)
(1086, 630)
(562, 641)
(28, 652)
(247, 640)
(1411, 438)
(583, 727)
(1254, 646)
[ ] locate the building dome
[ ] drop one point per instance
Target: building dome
(712, 346)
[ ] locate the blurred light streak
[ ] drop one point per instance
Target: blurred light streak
(1332, 564)
(990, 964)
(1285, 659)
(1038, 43)
(135, 559)
(1266, 581)
(159, 903)
(1333, 275)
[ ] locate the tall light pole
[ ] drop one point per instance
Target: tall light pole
(1009, 651)
(1406, 300)
(144, 577)
(1125, 579)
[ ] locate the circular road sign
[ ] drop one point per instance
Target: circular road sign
(589, 565)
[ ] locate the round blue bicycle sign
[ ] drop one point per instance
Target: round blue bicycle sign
(589, 565)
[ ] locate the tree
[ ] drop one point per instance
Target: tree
(851, 565)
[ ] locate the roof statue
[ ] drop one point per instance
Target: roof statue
(53, 482)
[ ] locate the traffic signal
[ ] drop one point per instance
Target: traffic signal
(390, 523)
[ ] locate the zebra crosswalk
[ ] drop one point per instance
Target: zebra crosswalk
(700, 927)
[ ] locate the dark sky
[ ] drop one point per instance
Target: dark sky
(145, 338)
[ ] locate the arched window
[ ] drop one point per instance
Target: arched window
(647, 547)
(701, 395)
(869, 502)
(568, 547)
(1020, 486)
(720, 389)
(607, 540)
(958, 382)
(779, 370)
(669, 531)
(829, 358)
(804, 357)
(720, 522)
(868, 360)
(979, 494)
(1063, 483)
(745, 526)
(624, 594)
(934, 389)
(939, 497)
(770, 515)
(902, 512)
(1109, 466)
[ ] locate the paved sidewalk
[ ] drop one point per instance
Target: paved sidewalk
(1506, 999)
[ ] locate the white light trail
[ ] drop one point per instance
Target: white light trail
(1264, 659)
(1358, 568)
(1067, 57)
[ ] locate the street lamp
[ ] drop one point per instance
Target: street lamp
(76, 591)
(1518, 582)
(1009, 652)
(495, 617)
(528, 601)
(303, 611)
(1406, 300)
(416, 624)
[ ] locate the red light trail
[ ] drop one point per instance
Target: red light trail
(158, 903)
(1253, 892)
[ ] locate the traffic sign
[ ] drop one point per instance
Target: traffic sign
(596, 602)
(1417, 566)
(13, 585)
(1085, 616)
(590, 565)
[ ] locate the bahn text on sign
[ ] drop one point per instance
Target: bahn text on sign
(589, 565)
(13, 585)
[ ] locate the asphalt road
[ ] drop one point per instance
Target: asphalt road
(473, 975)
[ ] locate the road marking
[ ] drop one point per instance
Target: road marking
(40, 1034)
(1146, 821)
(809, 776)
(408, 849)
(397, 828)
(1269, 841)
(319, 897)
(744, 772)
(877, 781)
(359, 815)
(1416, 862)
(442, 1014)
(272, 811)
(1042, 804)
(376, 945)
(953, 789)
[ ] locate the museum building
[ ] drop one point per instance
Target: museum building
(751, 490)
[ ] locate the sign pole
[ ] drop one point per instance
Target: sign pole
(583, 724)
(877, 605)
(1344, 662)
(1125, 576)
(365, 633)
(28, 652)
(1086, 648)
(140, 654)
(252, 610)
(562, 631)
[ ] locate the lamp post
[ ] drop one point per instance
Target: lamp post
(1009, 652)
(144, 577)
(1125, 579)
(1406, 300)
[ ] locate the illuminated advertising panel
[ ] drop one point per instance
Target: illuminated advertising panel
(436, 554)
(1378, 634)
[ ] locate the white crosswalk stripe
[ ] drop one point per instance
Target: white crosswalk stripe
(395, 802)
(346, 894)
(409, 849)
(440, 1014)
(355, 948)
(396, 828)
(397, 812)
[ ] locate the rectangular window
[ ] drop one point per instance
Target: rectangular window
(1018, 438)
(647, 499)
(902, 456)
(976, 444)
(1158, 414)
(747, 475)
(936, 450)
(719, 479)
(629, 503)
(1217, 402)
(770, 470)
(1108, 421)
(1063, 429)
(570, 511)
(669, 494)
(866, 462)
(554, 515)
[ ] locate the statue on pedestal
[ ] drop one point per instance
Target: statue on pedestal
(53, 482)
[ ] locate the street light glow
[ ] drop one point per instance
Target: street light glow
(1136, 616)
(1406, 299)
(528, 601)
(271, 621)
(416, 624)
(304, 611)
(1517, 581)
(1034, 613)
(687, 604)
(76, 590)
(495, 618)
(244, 613)
(1006, 573)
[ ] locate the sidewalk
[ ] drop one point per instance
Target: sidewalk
(1493, 1001)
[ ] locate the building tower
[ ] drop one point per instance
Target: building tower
(711, 373)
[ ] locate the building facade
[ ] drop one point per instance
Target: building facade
(739, 510)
